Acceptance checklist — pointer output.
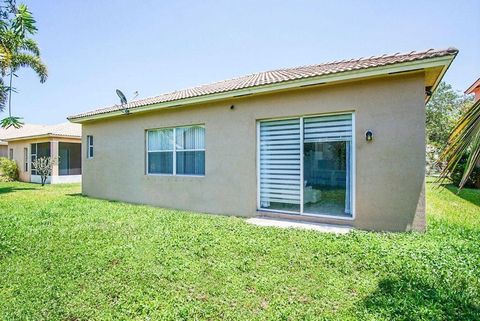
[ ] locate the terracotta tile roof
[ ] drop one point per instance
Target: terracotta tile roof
(32, 130)
(278, 76)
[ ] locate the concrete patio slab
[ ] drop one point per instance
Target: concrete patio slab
(281, 223)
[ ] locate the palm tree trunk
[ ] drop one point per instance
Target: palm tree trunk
(10, 94)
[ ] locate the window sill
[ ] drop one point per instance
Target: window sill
(171, 175)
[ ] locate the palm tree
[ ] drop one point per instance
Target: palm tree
(18, 51)
(464, 139)
(6, 9)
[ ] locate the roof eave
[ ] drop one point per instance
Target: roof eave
(442, 73)
(417, 65)
(12, 139)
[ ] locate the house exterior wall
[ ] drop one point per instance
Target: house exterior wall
(18, 156)
(389, 170)
(3, 151)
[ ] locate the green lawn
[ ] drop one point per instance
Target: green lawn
(68, 257)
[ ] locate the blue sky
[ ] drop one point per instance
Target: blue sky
(93, 47)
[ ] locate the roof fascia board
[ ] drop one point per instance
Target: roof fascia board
(13, 139)
(444, 61)
(440, 77)
(473, 87)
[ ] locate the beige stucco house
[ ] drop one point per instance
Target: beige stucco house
(341, 142)
(62, 141)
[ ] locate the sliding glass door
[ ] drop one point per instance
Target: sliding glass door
(306, 165)
(39, 150)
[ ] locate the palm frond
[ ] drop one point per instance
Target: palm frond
(5, 60)
(23, 22)
(464, 139)
(34, 62)
(8, 122)
(3, 95)
(31, 45)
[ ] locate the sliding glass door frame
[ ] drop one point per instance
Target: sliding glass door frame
(352, 164)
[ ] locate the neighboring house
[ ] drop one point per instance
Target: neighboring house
(62, 141)
(341, 142)
(3, 149)
(474, 89)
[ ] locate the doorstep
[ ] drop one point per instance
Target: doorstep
(285, 223)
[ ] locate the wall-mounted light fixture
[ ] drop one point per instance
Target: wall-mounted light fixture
(428, 91)
(368, 135)
(232, 107)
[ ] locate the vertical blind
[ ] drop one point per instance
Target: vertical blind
(160, 140)
(280, 162)
(190, 150)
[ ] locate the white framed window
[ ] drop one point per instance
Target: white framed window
(176, 151)
(10, 155)
(306, 165)
(89, 146)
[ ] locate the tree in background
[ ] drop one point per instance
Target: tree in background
(17, 50)
(6, 9)
(43, 166)
(442, 111)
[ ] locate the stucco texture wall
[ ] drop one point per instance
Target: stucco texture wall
(389, 170)
(19, 157)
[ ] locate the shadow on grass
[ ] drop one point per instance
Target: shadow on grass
(76, 195)
(409, 298)
(5, 190)
(469, 194)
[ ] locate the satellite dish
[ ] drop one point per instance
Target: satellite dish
(123, 100)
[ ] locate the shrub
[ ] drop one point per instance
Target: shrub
(8, 170)
(473, 180)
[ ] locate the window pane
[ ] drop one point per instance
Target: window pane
(190, 137)
(43, 150)
(90, 151)
(161, 139)
(191, 163)
(327, 174)
(160, 162)
(33, 157)
(25, 158)
(69, 162)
